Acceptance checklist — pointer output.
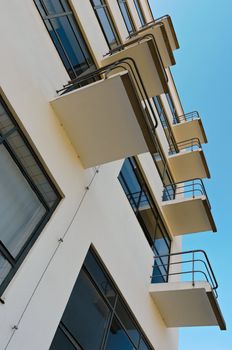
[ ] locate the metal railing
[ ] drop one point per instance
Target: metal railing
(189, 116)
(193, 266)
(188, 189)
(187, 145)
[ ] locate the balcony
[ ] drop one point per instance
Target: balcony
(189, 126)
(143, 53)
(105, 119)
(189, 297)
(186, 208)
(166, 20)
(187, 161)
(158, 31)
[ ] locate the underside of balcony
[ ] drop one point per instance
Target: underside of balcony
(182, 304)
(188, 215)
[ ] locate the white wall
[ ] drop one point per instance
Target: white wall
(30, 72)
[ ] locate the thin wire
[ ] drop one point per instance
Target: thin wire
(15, 327)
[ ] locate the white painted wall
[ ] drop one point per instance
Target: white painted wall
(30, 72)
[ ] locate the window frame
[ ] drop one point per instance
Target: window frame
(15, 262)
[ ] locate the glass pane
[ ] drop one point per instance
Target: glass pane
(100, 278)
(5, 268)
(61, 342)
(86, 315)
(117, 338)
(127, 322)
(107, 26)
(139, 11)
(69, 41)
(143, 346)
(126, 16)
(29, 163)
(53, 6)
(20, 209)
(60, 49)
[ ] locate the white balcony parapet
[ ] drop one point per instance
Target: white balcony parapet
(158, 30)
(189, 162)
(189, 126)
(186, 208)
(166, 20)
(191, 299)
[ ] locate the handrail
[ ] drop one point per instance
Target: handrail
(198, 266)
(189, 116)
(187, 145)
(187, 189)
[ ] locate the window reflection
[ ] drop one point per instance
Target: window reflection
(117, 338)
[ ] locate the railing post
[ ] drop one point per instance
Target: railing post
(193, 281)
(193, 189)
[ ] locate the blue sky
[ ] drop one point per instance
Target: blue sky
(203, 76)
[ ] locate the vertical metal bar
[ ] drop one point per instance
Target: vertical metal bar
(193, 281)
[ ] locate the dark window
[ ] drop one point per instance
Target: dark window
(126, 16)
(140, 12)
(106, 23)
(28, 196)
(147, 214)
(96, 316)
(66, 36)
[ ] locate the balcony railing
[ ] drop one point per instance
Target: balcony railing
(187, 266)
(187, 297)
(188, 145)
(188, 117)
(188, 189)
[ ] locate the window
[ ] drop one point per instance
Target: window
(126, 16)
(106, 23)
(28, 197)
(66, 36)
(140, 12)
(96, 316)
(147, 213)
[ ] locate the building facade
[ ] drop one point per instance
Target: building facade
(101, 176)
